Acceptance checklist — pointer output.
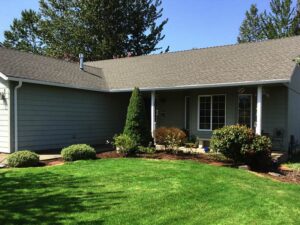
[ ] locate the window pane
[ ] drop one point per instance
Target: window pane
(218, 119)
(204, 112)
(211, 112)
(245, 110)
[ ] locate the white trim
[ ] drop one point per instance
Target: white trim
(153, 125)
(53, 84)
(251, 108)
(211, 111)
(185, 113)
(3, 76)
(259, 110)
(180, 87)
(177, 87)
(16, 113)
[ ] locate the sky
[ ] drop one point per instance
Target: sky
(192, 23)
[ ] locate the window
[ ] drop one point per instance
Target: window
(187, 113)
(245, 110)
(211, 112)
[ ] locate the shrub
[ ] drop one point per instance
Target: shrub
(78, 152)
(147, 150)
(232, 141)
(170, 137)
(137, 126)
(124, 144)
(258, 156)
(23, 158)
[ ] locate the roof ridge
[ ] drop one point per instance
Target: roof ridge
(203, 48)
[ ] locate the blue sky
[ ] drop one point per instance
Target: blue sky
(192, 23)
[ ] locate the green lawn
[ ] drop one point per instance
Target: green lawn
(136, 191)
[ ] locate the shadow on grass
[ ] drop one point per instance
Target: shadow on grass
(49, 198)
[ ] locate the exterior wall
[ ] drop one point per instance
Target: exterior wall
(54, 117)
(4, 117)
(294, 105)
(274, 109)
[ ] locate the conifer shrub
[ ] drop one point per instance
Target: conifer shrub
(137, 127)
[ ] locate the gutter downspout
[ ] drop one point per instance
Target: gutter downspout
(16, 113)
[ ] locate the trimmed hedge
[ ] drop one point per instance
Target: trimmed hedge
(241, 144)
(170, 137)
(23, 158)
(78, 152)
(232, 141)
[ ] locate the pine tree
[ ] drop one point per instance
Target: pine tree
(283, 20)
(25, 33)
(136, 121)
(101, 29)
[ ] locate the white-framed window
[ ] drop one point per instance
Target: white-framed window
(245, 110)
(211, 112)
(187, 112)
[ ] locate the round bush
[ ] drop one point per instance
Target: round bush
(78, 152)
(258, 157)
(232, 141)
(124, 144)
(23, 158)
(170, 137)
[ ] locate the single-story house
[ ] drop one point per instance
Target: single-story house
(48, 103)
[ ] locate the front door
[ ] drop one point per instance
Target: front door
(245, 110)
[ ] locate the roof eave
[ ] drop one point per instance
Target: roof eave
(215, 85)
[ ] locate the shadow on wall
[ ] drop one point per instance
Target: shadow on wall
(49, 198)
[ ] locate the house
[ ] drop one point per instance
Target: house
(48, 103)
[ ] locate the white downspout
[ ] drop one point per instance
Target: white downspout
(152, 113)
(258, 110)
(16, 113)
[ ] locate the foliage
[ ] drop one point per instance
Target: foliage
(100, 29)
(147, 150)
(23, 158)
(124, 144)
(25, 33)
(232, 141)
(78, 152)
(95, 192)
(137, 126)
(283, 20)
(170, 137)
(258, 156)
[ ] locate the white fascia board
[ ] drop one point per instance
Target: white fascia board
(216, 85)
(179, 87)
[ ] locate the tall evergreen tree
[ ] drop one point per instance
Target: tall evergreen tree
(282, 21)
(136, 121)
(251, 28)
(25, 33)
(101, 29)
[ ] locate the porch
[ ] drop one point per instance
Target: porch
(199, 111)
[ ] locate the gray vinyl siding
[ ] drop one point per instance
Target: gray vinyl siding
(54, 117)
(4, 117)
(294, 105)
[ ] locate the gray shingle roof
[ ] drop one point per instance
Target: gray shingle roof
(252, 62)
(23, 65)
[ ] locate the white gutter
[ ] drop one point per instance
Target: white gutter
(229, 84)
(179, 87)
(16, 113)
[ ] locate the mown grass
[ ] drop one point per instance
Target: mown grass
(137, 191)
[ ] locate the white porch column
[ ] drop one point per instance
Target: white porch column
(258, 110)
(152, 112)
